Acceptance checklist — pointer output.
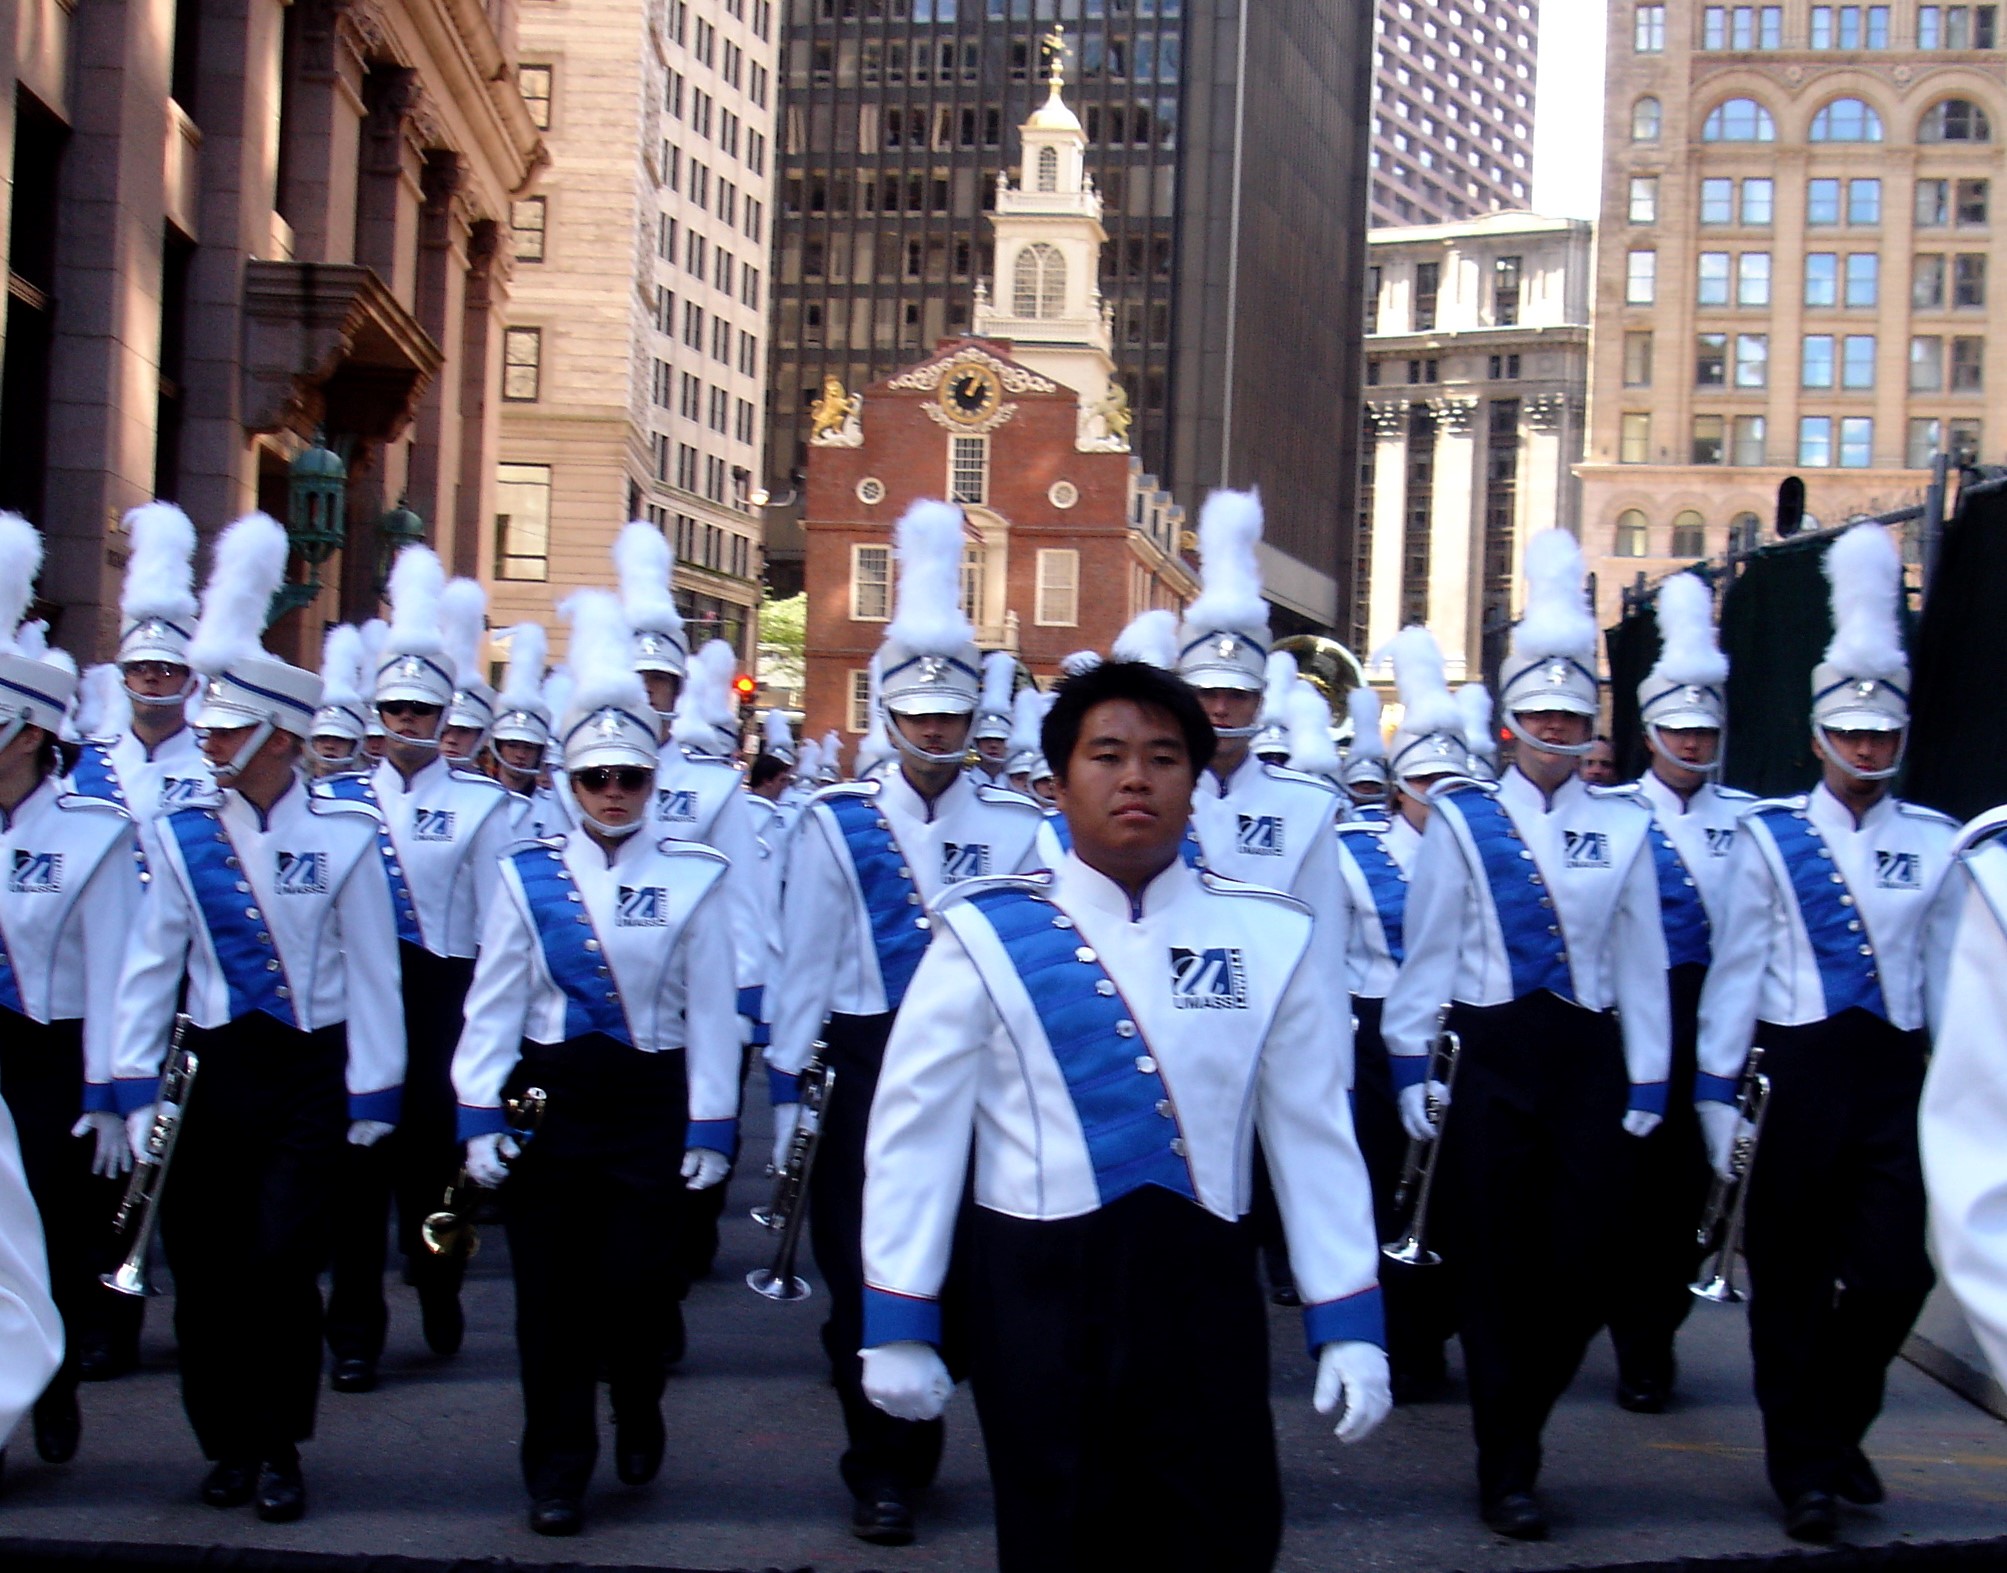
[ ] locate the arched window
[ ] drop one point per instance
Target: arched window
(1038, 282)
(1689, 534)
(1631, 533)
(1955, 120)
(1048, 169)
(1738, 120)
(1645, 120)
(1745, 530)
(1847, 120)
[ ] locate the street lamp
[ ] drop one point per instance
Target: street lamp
(316, 519)
(401, 527)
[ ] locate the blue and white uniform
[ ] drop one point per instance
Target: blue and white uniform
(145, 782)
(698, 799)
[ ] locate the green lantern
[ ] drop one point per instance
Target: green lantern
(316, 519)
(402, 526)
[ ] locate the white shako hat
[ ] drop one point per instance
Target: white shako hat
(557, 700)
(1366, 758)
(608, 720)
(343, 711)
(829, 764)
(33, 691)
(1151, 637)
(243, 684)
(1312, 749)
(808, 762)
(374, 632)
(777, 736)
(1480, 737)
(157, 602)
(1026, 721)
(521, 715)
(928, 663)
(1223, 639)
(413, 665)
(1551, 664)
(1862, 685)
(463, 618)
(705, 716)
(1684, 691)
(641, 554)
(994, 712)
(1430, 739)
(1271, 725)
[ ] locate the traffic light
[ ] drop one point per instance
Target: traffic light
(744, 686)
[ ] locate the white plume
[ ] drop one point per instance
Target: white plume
(103, 707)
(36, 647)
(375, 633)
(245, 572)
(601, 654)
(999, 673)
(463, 626)
(523, 682)
(928, 616)
(1866, 573)
(1688, 653)
(1229, 571)
(703, 713)
(20, 562)
(417, 585)
(832, 748)
(1151, 638)
(807, 759)
(343, 676)
(1426, 704)
(873, 749)
(1027, 716)
(1310, 746)
(558, 689)
(641, 554)
(160, 568)
(1279, 680)
(1557, 620)
(776, 734)
(1474, 700)
(1363, 706)
(1079, 663)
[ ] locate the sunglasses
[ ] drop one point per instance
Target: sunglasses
(399, 709)
(629, 778)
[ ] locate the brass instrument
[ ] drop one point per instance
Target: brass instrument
(785, 1212)
(1418, 1169)
(138, 1216)
(450, 1231)
(1728, 1199)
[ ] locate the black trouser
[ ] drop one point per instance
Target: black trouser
(591, 1210)
(1533, 1171)
(244, 1218)
(697, 1244)
(1835, 1241)
(1120, 1368)
(414, 1164)
(882, 1451)
(1658, 1254)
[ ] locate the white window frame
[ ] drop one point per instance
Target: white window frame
(968, 468)
(881, 578)
(857, 710)
(1058, 598)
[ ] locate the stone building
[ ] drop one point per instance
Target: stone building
(1477, 353)
(235, 223)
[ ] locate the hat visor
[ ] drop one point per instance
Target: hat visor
(931, 704)
(1852, 720)
(1685, 721)
(1551, 703)
(152, 650)
(1433, 767)
(506, 733)
(1222, 677)
(216, 715)
(610, 753)
(413, 691)
(659, 663)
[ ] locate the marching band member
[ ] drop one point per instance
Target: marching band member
(31, 1329)
(605, 980)
(1682, 705)
(1270, 743)
(1533, 908)
(990, 735)
(1818, 958)
(829, 766)
(522, 732)
(865, 859)
(1104, 1247)
(1027, 711)
(1479, 735)
(72, 888)
(271, 908)
(463, 628)
(1363, 774)
(342, 722)
(443, 831)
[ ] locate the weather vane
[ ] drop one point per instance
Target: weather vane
(1054, 44)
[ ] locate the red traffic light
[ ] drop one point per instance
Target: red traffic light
(745, 687)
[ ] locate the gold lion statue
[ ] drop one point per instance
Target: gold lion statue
(832, 410)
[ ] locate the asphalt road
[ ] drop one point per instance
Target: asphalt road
(426, 1466)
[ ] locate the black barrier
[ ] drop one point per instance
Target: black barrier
(1958, 736)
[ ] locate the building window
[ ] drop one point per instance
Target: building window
(870, 584)
(1712, 289)
(1048, 169)
(1505, 282)
(968, 469)
(1709, 438)
(1968, 358)
(1372, 300)
(1501, 506)
(522, 521)
(1645, 199)
(1971, 203)
(1752, 279)
(1933, 204)
(1645, 120)
(1752, 360)
(1748, 448)
(1926, 282)
(1710, 360)
(857, 713)
(1633, 534)
(1641, 278)
(1857, 361)
(1922, 445)
(1717, 200)
(1863, 278)
(1638, 359)
(1745, 531)
(1759, 201)
(1428, 278)
(1815, 364)
(522, 364)
(1864, 202)
(1738, 120)
(1362, 539)
(1038, 282)
(1689, 534)
(1846, 120)
(1822, 202)
(1634, 442)
(534, 82)
(1926, 363)
(975, 570)
(527, 220)
(1815, 441)
(1822, 278)
(1648, 32)
(1417, 508)
(1857, 442)
(1968, 279)
(1955, 120)
(1058, 589)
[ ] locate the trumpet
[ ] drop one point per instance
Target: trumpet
(785, 1211)
(138, 1216)
(1728, 1199)
(450, 1231)
(1418, 1169)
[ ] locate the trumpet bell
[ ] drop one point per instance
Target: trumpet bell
(1718, 1290)
(450, 1234)
(129, 1279)
(767, 1218)
(765, 1282)
(1410, 1253)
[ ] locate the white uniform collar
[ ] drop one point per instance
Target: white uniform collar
(1077, 883)
(1835, 818)
(1666, 800)
(897, 793)
(182, 741)
(1519, 791)
(1403, 840)
(579, 844)
(294, 789)
(1224, 786)
(44, 792)
(390, 777)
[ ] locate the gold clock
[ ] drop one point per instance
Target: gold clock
(970, 393)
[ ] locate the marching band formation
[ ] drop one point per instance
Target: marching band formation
(1093, 1020)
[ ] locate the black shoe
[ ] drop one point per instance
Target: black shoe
(1812, 1516)
(282, 1494)
(232, 1483)
(1858, 1482)
(1643, 1397)
(637, 1446)
(102, 1363)
(58, 1426)
(445, 1323)
(885, 1518)
(1517, 1516)
(353, 1374)
(556, 1516)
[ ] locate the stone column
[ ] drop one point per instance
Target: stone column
(484, 314)
(1387, 430)
(1544, 480)
(1453, 537)
(324, 115)
(389, 188)
(440, 308)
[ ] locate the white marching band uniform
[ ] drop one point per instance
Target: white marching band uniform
(31, 1333)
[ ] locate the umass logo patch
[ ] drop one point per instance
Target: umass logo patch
(432, 824)
(964, 860)
(676, 805)
(177, 790)
(642, 906)
(1259, 835)
(1213, 978)
(36, 873)
(1898, 870)
(302, 874)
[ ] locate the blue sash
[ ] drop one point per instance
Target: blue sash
(571, 948)
(1128, 1141)
(96, 776)
(1684, 918)
(1188, 849)
(1386, 881)
(252, 972)
(1839, 940)
(899, 927)
(10, 990)
(1528, 921)
(357, 789)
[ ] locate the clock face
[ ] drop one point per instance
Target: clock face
(970, 393)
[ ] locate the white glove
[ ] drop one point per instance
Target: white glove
(1415, 1108)
(786, 1117)
(1640, 1122)
(139, 1126)
(489, 1157)
(1357, 1371)
(703, 1168)
(1720, 1124)
(907, 1380)
(367, 1133)
(113, 1156)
